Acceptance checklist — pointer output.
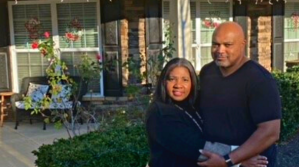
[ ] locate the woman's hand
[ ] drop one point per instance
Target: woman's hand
(256, 161)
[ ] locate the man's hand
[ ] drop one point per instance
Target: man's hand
(214, 160)
(266, 134)
(256, 161)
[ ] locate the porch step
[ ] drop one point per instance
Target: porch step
(106, 100)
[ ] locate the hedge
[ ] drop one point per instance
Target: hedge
(121, 144)
(288, 85)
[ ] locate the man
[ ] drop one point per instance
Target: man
(239, 101)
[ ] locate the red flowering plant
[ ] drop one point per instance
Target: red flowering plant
(57, 72)
(46, 47)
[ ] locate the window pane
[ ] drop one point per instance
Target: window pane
(206, 55)
(37, 17)
(166, 13)
(291, 51)
(211, 16)
(291, 20)
(84, 14)
(91, 40)
(74, 58)
(30, 64)
(193, 21)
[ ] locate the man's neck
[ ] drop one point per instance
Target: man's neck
(226, 71)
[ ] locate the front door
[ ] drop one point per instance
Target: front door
(110, 18)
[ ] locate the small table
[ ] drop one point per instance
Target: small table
(3, 105)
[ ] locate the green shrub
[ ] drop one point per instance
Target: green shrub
(288, 85)
(294, 69)
(121, 142)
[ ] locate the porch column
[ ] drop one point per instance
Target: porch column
(183, 29)
(180, 22)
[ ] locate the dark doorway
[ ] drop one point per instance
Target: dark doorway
(110, 17)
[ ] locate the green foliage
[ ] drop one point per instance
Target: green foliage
(88, 68)
(121, 142)
(57, 73)
(288, 84)
(156, 62)
(293, 69)
(133, 90)
(133, 64)
(47, 48)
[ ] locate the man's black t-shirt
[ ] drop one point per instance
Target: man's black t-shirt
(233, 106)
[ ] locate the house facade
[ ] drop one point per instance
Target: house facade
(121, 29)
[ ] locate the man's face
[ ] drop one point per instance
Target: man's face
(227, 48)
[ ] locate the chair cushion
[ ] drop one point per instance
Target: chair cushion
(63, 105)
(37, 91)
(63, 95)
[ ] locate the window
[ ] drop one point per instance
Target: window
(204, 18)
(84, 14)
(291, 31)
(80, 19)
(30, 63)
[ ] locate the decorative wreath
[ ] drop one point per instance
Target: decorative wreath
(73, 31)
(33, 26)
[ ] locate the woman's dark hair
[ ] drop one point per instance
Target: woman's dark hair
(161, 92)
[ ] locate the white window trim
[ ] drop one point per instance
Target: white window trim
(55, 37)
(291, 40)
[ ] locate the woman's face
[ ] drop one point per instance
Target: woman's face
(178, 84)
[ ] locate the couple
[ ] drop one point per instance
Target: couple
(238, 105)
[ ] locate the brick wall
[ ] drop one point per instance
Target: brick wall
(133, 33)
(259, 33)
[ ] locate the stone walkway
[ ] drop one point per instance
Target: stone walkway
(16, 145)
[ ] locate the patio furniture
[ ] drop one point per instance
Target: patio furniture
(40, 86)
(3, 105)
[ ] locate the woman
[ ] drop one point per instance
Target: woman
(172, 123)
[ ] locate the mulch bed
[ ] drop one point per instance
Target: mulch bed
(288, 153)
